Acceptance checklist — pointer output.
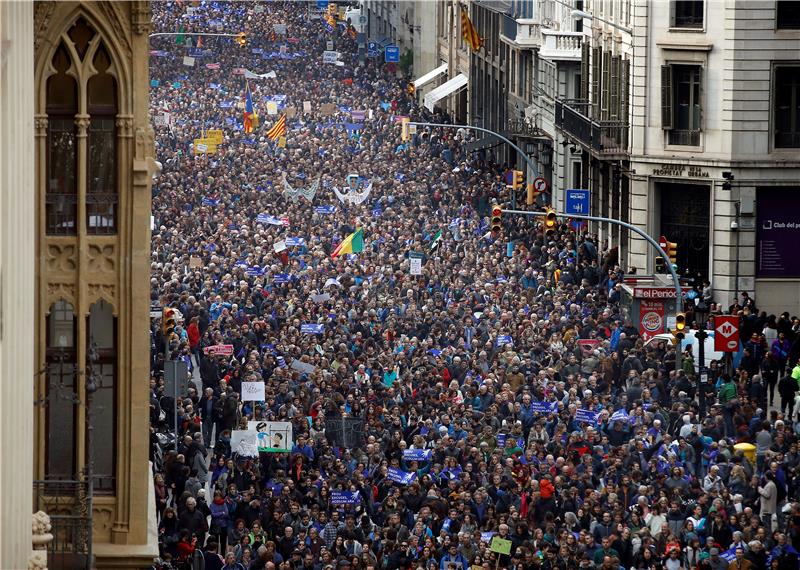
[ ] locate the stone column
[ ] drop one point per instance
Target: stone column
(17, 254)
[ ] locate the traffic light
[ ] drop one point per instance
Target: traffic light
(404, 130)
(680, 326)
(241, 39)
(550, 220)
(660, 266)
(672, 252)
(496, 224)
(167, 323)
(516, 179)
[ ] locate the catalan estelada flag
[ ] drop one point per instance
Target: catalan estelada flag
(250, 116)
(354, 243)
(278, 130)
(469, 33)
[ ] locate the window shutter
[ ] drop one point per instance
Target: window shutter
(624, 96)
(597, 56)
(614, 105)
(666, 97)
(605, 87)
(584, 95)
(672, 13)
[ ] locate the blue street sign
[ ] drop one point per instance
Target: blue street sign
(576, 202)
(372, 46)
(392, 54)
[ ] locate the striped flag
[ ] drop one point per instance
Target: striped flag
(469, 33)
(278, 130)
(213, 66)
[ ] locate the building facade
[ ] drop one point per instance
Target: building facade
(640, 103)
(84, 228)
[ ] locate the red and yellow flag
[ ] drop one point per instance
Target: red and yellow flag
(278, 130)
(469, 33)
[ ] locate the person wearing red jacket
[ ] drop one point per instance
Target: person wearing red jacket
(193, 332)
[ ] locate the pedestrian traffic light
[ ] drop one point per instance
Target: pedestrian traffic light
(241, 39)
(516, 179)
(550, 220)
(404, 130)
(660, 266)
(167, 323)
(496, 224)
(672, 252)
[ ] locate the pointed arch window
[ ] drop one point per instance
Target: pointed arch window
(62, 154)
(101, 193)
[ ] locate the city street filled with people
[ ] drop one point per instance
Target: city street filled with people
(377, 381)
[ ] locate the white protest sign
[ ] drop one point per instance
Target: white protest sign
(244, 442)
(329, 45)
(188, 61)
(272, 437)
(415, 261)
(201, 148)
(253, 392)
(272, 108)
(279, 246)
(280, 29)
(321, 298)
(330, 56)
(306, 106)
(270, 75)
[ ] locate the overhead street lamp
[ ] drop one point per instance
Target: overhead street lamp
(580, 14)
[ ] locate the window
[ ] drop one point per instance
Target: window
(101, 192)
(788, 15)
(787, 107)
(102, 333)
(577, 23)
(62, 154)
(60, 392)
(686, 13)
(680, 104)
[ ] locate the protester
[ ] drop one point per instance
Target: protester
(446, 419)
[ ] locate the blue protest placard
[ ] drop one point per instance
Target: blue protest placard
(312, 328)
(544, 407)
(345, 498)
(391, 54)
(400, 476)
(576, 202)
(620, 416)
(587, 416)
(417, 454)
(503, 340)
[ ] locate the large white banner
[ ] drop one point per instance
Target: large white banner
(253, 392)
(272, 437)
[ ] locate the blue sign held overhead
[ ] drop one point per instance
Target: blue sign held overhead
(576, 202)
(322, 4)
(392, 54)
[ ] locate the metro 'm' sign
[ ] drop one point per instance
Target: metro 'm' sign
(726, 333)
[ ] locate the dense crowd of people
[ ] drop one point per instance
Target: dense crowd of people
(481, 433)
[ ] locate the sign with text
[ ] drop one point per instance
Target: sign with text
(392, 54)
(219, 349)
(345, 498)
(651, 318)
(415, 261)
(777, 232)
(272, 437)
(500, 545)
(253, 392)
(726, 333)
(576, 202)
(244, 442)
(400, 476)
(657, 292)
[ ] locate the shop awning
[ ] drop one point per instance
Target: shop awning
(445, 89)
(430, 76)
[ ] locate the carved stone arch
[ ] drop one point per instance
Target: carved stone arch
(101, 292)
(105, 19)
(60, 292)
(91, 71)
(49, 70)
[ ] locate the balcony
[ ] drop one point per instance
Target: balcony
(603, 138)
(525, 33)
(561, 46)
